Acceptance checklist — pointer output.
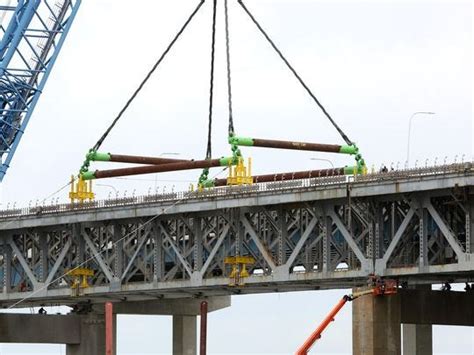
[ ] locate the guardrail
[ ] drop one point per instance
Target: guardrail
(245, 190)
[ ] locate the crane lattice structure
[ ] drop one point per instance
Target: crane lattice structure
(33, 32)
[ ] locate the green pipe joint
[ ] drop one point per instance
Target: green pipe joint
(96, 156)
(88, 175)
(207, 183)
(226, 161)
(242, 141)
(349, 149)
(354, 170)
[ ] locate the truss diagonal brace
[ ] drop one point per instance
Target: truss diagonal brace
(134, 256)
(304, 237)
(97, 256)
(215, 249)
(398, 235)
(266, 255)
(445, 230)
(176, 251)
(23, 263)
(347, 236)
(58, 262)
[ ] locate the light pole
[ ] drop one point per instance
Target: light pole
(409, 129)
(163, 154)
(326, 160)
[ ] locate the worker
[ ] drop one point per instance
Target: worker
(446, 287)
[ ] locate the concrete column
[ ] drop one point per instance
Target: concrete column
(184, 335)
(417, 339)
(92, 338)
(376, 326)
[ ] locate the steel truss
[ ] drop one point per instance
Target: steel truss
(307, 243)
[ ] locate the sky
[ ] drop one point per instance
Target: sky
(371, 63)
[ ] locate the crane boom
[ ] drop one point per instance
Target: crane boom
(32, 38)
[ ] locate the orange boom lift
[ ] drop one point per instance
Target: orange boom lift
(380, 288)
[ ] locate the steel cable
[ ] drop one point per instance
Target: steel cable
(229, 83)
(211, 84)
(149, 74)
(308, 90)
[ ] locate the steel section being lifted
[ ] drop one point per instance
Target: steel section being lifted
(134, 159)
(292, 145)
(149, 169)
(297, 175)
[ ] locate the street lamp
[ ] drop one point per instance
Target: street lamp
(163, 154)
(326, 160)
(409, 129)
(110, 186)
(115, 190)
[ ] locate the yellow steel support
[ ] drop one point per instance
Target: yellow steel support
(239, 268)
(239, 174)
(80, 190)
(79, 279)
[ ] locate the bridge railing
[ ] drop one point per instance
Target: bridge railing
(246, 190)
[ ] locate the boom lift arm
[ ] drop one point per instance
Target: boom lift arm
(382, 287)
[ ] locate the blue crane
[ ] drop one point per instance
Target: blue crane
(33, 32)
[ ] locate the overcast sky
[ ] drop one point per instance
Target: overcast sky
(371, 63)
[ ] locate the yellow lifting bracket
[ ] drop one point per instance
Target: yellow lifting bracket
(79, 279)
(239, 174)
(80, 190)
(239, 268)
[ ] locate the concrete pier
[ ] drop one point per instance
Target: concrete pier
(376, 326)
(184, 335)
(92, 336)
(417, 339)
(377, 320)
(84, 334)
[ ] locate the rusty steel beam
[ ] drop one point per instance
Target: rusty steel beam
(291, 176)
(136, 159)
(150, 169)
(291, 145)
(315, 147)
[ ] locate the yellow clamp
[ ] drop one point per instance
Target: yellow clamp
(80, 190)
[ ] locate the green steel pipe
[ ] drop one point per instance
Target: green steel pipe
(277, 144)
(150, 169)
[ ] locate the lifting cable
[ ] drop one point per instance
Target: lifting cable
(142, 84)
(343, 135)
(229, 86)
(211, 84)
